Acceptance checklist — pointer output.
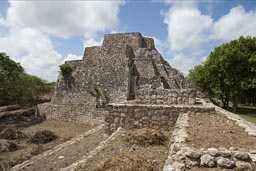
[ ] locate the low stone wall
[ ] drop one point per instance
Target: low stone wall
(221, 158)
(73, 113)
(181, 157)
(166, 96)
(131, 116)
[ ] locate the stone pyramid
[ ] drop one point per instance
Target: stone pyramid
(128, 68)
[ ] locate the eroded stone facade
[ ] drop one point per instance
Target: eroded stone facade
(127, 67)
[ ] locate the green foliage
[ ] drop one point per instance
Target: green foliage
(65, 70)
(17, 87)
(96, 92)
(229, 71)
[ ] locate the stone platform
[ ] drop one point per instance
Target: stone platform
(130, 116)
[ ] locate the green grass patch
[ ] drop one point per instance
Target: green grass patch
(248, 118)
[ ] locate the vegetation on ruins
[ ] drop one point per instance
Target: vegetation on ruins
(66, 72)
(97, 93)
(229, 73)
(18, 87)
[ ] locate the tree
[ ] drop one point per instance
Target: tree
(229, 71)
(17, 87)
(10, 73)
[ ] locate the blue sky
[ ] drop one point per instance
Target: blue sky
(43, 34)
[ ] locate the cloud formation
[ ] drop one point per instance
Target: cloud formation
(191, 33)
(65, 18)
(236, 23)
(29, 30)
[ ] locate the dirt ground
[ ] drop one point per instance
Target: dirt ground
(68, 155)
(216, 130)
(157, 154)
(28, 124)
(210, 169)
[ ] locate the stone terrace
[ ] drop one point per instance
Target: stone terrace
(129, 69)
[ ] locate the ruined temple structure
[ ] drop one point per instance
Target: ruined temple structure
(133, 76)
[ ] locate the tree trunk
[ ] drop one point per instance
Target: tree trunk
(235, 104)
(225, 103)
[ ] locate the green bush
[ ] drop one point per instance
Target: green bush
(18, 87)
(65, 70)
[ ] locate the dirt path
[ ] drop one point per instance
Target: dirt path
(61, 157)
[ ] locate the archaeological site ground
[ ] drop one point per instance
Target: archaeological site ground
(124, 108)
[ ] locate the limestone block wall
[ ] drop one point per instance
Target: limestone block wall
(166, 96)
(130, 116)
(73, 113)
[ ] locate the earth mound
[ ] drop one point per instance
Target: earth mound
(12, 134)
(43, 137)
(7, 146)
(145, 137)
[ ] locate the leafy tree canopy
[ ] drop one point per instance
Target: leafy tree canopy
(17, 87)
(229, 71)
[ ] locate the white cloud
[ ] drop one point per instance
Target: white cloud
(71, 57)
(187, 27)
(192, 35)
(1, 20)
(182, 62)
(92, 42)
(236, 23)
(34, 50)
(160, 46)
(28, 25)
(65, 18)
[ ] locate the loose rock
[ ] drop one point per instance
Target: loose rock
(242, 156)
(207, 160)
(213, 151)
(243, 165)
(193, 154)
(226, 163)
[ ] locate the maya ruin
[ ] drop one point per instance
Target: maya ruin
(141, 90)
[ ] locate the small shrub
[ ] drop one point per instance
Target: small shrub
(43, 137)
(145, 137)
(65, 70)
(12, 134)
(125, 163)
(7, 146)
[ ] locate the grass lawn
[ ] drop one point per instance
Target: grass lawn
(248, 118)
(247, 112)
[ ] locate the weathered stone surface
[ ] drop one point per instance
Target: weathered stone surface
(193, 154)
(179, 166)
(242, 166)
(242, 156)
(213, 152)
(207, 161)
(168, 168)
(225, 163)
(192, 163)
(253, 157)
(126, 67)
